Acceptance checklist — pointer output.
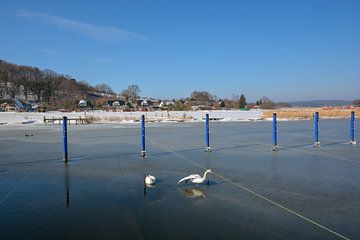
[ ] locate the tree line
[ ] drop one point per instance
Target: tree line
(47, 86)
(62, 91)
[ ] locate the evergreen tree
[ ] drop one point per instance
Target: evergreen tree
(242, 101)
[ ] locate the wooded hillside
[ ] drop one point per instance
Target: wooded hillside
(46, 86)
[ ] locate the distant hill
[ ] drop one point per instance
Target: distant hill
(46, 87)
(321, 103)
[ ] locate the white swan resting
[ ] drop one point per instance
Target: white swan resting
(149, 180)
(195, 178)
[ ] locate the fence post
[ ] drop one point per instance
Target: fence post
(143, 151)
(352, 128)
(65, 142)
(316, 130)
(208, 149)
(275, 142)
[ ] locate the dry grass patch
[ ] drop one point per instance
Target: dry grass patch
(307, 113)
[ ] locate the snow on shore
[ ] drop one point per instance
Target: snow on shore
(20, 118)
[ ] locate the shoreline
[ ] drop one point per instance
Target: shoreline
(125, 118)
(104, 117)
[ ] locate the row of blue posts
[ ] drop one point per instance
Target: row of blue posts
(143, 150)
(316, 131)
(207, 133)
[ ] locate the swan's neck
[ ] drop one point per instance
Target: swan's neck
(207, 171)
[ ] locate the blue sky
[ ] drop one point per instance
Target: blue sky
(286, 50)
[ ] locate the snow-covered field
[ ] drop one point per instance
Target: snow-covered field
(19, 118)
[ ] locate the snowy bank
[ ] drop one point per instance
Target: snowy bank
(20, 118)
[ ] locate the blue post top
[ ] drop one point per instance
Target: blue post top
(207, 125)
(143, 123)
(64, 123)
(274, 120)
(316, 121)
(274, 126)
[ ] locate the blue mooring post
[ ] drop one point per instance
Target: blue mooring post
(316, 130)
(65, 139)
(275, 143)
(208, 149)
(143, 151)
(352, 128)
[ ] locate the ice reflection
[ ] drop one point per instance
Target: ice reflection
(192, 192)
(67, 184)
(146, 186)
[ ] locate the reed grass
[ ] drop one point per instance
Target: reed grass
(308, 113)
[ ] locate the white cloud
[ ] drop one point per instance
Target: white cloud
(50, 51)
(102, 60)
(101, 33)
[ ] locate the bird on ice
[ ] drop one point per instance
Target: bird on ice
(149, 180)
(195, 178)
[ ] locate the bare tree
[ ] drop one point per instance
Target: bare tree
(132, 93)
(12, 85)
(201, 97)
(267, 103)
(356, 102)
(104, 88)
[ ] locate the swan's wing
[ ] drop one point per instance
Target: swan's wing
(189, 178)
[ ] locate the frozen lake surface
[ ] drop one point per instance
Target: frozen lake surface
(296, 193)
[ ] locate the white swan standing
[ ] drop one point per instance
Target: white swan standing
(195, 178)
(149, 180)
